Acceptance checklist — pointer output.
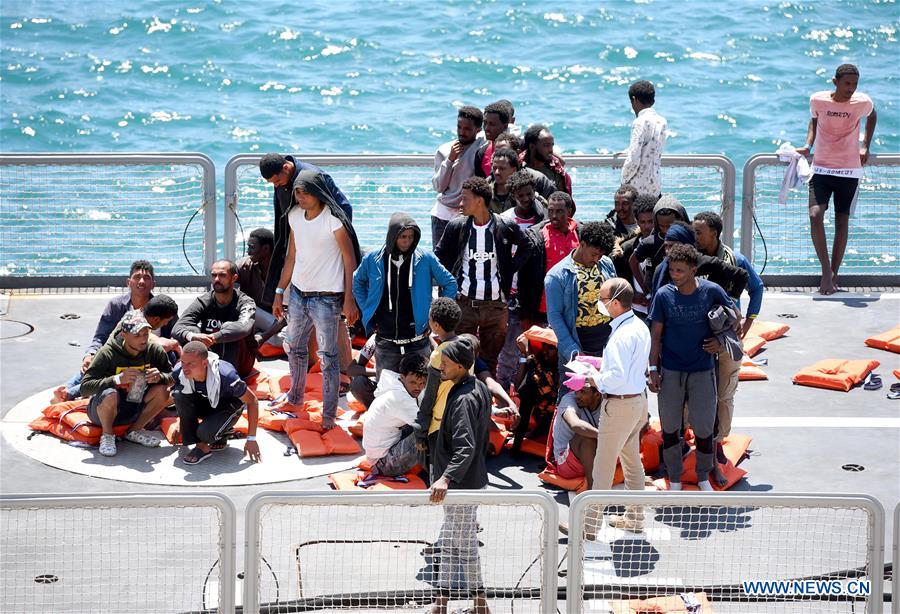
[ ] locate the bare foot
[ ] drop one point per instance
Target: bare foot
(834, 284)
(60, 395)
(717, 477)
(826, 286)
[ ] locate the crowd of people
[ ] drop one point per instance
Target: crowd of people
(646, 299)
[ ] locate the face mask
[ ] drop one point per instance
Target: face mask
(601, 306)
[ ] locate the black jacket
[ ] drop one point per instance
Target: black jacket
(533, 272)
(231, 325)
(451, 249)
(460, 449)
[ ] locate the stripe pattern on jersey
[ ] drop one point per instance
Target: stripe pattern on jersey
(480, 280)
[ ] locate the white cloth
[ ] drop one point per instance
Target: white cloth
(213, 380)
(797, 171)
(626, 356)
(643, 158)
(449, 176)
(392, 409)
(319, 265)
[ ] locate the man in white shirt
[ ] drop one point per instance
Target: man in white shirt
(643, 158)
(388, 436)
(623, 381)
(454, 162)
(322, 254)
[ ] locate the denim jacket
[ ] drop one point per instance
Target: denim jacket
(562, 302)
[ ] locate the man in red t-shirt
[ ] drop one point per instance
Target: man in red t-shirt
(837, 163)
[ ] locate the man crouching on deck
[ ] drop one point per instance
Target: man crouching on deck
(209, 388)
(128, 382)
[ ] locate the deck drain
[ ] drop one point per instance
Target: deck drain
(70, 316)
(46, 578)
(853, 467)
(11, 329)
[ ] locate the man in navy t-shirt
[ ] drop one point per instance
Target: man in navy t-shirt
(681, 363)
(209, 388)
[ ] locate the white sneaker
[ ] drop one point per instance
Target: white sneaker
(144, 438)
(108, 445)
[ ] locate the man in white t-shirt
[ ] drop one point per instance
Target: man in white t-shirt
(837, 163)
(388, 435)
(322, 254)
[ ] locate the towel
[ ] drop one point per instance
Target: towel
(721, 321)
(797, 171)
(213, 380)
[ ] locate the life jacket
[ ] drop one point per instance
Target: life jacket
(752, 345)
(311, 442)
(348, 480)
(497, 436)
(768, 330)
(539, 334)
(835, 373)
(69, 421)
(672, 604)
(751, 372)
(889, 340)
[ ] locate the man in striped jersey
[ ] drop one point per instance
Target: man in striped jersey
(477, 248)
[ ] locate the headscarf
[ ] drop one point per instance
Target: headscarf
(313, 182)
(461, 352)
(681, 234)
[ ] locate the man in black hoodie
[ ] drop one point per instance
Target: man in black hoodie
(393, 286)
(457, 462)
(222, 320)
(281, 171)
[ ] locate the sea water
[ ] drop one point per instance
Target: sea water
(229, 77)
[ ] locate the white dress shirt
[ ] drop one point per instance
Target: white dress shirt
(626, 356)
(643, 158)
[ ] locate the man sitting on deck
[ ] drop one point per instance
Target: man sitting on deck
(253, 273)
(222, 320)
(209, 388)
(140, 285)
(388, 437)
(128, 382)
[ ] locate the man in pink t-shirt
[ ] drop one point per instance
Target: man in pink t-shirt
(837, 163)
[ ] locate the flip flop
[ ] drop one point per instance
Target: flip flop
(893, 395)
(873, 382)
(196, 456)
(786, 315)
(895, 387)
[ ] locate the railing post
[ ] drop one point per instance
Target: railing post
(747, 205)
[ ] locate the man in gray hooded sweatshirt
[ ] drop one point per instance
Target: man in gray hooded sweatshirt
(392, 287)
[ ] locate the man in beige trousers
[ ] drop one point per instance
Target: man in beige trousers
(623, 413)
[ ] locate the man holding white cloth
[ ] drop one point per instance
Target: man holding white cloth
(623, 412)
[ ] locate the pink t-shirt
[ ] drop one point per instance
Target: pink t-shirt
(837, 129)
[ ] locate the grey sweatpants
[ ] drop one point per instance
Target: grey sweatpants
(698, 390)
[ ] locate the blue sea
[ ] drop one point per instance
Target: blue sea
(228, 77)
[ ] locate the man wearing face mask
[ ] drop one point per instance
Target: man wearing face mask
(623, 382)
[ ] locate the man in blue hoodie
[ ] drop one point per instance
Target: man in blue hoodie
(392, 287)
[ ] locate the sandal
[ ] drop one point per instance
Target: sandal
(218, 446)
(196, 456)
(873, 382)
(893, 395)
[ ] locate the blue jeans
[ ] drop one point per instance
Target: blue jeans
(323, 312)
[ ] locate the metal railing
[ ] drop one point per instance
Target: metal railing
(776, 238)
(320, 550)
(81, 219)
(374, 550)
(713, 544)
(123, 553)
(378, 185)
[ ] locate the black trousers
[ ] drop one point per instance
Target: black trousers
(216, 420)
